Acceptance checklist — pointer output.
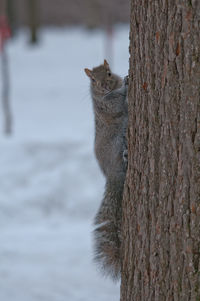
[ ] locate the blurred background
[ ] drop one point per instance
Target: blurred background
(50, 183)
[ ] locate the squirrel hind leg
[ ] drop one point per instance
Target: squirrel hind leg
(107, 250)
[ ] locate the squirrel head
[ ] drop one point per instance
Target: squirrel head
(102, 79)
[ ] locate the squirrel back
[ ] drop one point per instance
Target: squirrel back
(108, 93)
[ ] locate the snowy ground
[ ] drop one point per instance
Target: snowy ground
(50, 184)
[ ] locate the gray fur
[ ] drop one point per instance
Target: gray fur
(111, 117)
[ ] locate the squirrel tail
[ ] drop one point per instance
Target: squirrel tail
(107, 234)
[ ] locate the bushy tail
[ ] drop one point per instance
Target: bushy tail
(107, 234)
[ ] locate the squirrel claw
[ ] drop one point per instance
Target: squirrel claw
(126, 80)
(125, 157)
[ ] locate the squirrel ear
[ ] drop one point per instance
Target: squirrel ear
(88, 72)
(106, 63)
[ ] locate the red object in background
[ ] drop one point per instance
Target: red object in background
(5, 32)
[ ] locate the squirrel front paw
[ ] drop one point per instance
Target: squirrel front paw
(126, 80)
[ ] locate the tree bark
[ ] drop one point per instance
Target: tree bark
(161, 206)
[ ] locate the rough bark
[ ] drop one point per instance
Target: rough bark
(161, 206)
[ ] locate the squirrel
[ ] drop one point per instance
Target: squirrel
(109, 97)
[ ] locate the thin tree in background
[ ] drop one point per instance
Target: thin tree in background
(108, 22)
(4, 35)
(11, 8)
(109, 39)
(33, 20)
(161, 206)
(100, 14)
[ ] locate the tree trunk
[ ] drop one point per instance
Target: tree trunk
(6, 93)
(108, 52)
(4, 72)
(33, 20)
(161, 206)
(11, 13)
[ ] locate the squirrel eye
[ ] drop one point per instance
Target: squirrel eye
(109, 74)
(93, 80)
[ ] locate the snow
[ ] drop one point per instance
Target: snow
(50, 183)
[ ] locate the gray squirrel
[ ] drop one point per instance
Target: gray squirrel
(109, 96)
